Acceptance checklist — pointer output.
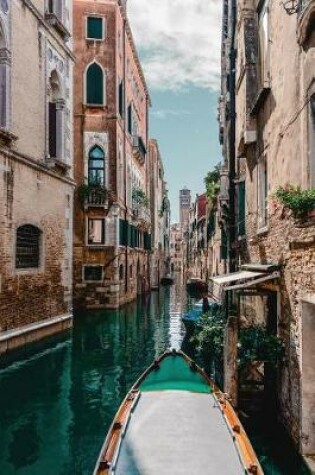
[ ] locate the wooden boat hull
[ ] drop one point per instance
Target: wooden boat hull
(175, 420)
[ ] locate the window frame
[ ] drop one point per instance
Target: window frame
(96, 244)
(311, 141)
(95, 169)
(32, 269)
(85, 83)
(264, 56)
(92, 265)
(262, 211)
(103, 27)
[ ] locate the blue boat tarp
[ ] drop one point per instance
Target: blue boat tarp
(193, 315)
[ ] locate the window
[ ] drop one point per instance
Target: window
(95, 85)
(129, 119)
(56, 7)
(95, 28)
(96, 231)
(93, 273)
(262, 193)
(27, 247)
(55, 117)
(121, 272)
(121, 99)
(312, 142)
(96, 166)
(130, 271)
(241, 209)
(264, 50)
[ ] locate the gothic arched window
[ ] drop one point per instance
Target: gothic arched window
(96, 166)
(28, 241)
(95, 85)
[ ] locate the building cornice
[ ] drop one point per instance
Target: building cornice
(30, 162)
(42, 22)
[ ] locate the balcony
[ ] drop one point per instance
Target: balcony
(141, 213)
(93, 196)
(139, 149)
(306, 23)
(54, 19)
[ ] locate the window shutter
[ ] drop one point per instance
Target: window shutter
(130, 118)
(95, 28)
(95, 85)
(121, 99)
(52, 129)
(241, 209)
(224, 248)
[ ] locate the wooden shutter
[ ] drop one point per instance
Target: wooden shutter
(241, 209)
(52, 129)
(95, 28)
(95, 85)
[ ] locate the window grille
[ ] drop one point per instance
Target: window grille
(27, 247)
(95, 85)
(93, 273)
(94, 28)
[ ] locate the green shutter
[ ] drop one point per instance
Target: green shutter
(95, 28)
(224, 247)
(95, 85)
(241, 209)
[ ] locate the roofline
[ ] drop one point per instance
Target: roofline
(134, 51)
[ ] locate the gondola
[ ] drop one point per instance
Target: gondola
(175, 421)
(193, 316)
(167, 280)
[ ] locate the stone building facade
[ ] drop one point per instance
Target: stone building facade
(112, 232)
(36, 186)
(160, 216)
(178, 250)
(271, 108)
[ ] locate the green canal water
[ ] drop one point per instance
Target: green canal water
(58, 398)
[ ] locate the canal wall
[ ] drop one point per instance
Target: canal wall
(12, 339)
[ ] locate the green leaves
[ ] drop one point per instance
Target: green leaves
(139, 197)
(212, 182)
(299, 201)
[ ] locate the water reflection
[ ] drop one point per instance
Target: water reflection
(58, 400)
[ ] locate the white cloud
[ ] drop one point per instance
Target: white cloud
(164, 113)
(179, 41)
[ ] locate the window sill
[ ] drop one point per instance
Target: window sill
(95, 106)
(260, 100)
(29, 270)
(58, 165)
(263, 230)
(95, 40)
(96, 247)
(7, 137)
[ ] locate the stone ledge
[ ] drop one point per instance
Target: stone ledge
(15, 338)
(310, 463)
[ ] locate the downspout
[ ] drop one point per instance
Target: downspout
(232, 221)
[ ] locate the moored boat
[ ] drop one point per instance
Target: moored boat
(196, 286)
(176, 421)
(192, 317)
(167, 280)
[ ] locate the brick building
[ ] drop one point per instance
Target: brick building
(36, 186)
(160, 215)
(267, 131)
(112, 232)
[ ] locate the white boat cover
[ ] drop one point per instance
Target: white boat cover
(177, 433)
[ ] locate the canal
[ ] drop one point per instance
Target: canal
(58, 398)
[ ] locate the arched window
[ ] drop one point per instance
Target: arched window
(96, 166)
(27, 253)
(55, 120)
(95, 85)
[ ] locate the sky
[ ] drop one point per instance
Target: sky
(179, 46)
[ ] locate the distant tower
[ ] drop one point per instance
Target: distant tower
(184, 207)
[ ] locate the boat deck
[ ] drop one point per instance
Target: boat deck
(196, 438)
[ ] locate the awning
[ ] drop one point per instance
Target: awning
(240, 280)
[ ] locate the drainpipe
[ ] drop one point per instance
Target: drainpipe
(231, 151)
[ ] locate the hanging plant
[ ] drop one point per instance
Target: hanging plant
(257, 344)
(299, 201)
(139, 197)
(84, 191)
